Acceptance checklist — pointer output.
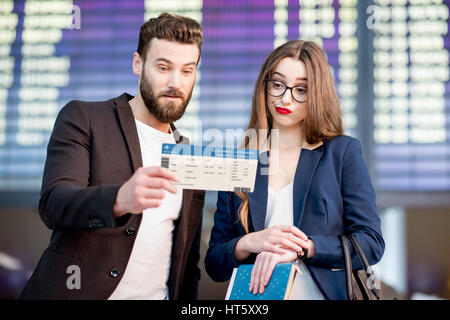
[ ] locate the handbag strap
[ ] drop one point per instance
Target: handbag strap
(348, 266)
(364, 262)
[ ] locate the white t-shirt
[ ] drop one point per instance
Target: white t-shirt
(147, 271)
(280, 211)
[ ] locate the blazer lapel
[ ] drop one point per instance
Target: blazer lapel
(128, 124)
(304, 173)
(183, 234)
(257, 200)
(185, 220)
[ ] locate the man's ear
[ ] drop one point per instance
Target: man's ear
(137, 64)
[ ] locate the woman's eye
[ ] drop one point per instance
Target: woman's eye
(277, 85)
(301, 90)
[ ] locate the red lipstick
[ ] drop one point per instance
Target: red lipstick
(282, 110)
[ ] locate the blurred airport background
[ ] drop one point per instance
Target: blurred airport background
(390, 61)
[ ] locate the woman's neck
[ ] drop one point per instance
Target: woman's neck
(292, 137)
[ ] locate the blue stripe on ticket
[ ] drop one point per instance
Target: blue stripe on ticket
(209, 151)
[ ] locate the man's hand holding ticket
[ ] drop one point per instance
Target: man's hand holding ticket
(211, 168)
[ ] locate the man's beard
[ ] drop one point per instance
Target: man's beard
(164, 112)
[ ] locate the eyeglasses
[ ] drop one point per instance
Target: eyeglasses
(277, 88)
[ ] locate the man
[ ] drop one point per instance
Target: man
(120, 225)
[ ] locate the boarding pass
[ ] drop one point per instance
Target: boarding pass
(211, 168)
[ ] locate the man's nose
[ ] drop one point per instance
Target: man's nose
(174, 80)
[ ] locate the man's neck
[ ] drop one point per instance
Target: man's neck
(141, 113)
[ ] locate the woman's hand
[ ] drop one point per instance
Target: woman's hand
(264, 265)
(272, 239)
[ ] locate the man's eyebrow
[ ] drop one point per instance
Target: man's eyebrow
(163, 60)
(283, 76)
(170, 62)
(190, 63)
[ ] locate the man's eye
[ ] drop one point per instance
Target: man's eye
(163, 68)
(188, 71)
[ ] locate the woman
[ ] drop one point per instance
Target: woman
(314, 187)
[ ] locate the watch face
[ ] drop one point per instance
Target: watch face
(301, 255)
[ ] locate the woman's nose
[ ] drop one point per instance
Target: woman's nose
(287, 96)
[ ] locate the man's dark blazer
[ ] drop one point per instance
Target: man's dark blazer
(93, 150)
(332, 195)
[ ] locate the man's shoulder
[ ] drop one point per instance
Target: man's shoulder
(78, 110)
(89, 106)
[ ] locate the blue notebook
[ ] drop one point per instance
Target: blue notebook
(279, 287)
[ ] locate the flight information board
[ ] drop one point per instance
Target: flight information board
(411, 87)
(52, 52)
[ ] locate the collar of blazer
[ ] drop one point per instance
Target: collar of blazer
(306, 167)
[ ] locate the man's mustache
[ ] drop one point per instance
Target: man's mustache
(172, 93)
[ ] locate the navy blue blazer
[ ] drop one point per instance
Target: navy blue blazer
(333, 194)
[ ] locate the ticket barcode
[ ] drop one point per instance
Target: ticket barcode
(165, 162)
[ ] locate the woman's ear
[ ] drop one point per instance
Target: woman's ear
(137, 64)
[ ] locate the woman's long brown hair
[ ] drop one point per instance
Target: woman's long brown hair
(323, 120)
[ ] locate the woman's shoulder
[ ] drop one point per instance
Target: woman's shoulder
(342, 140)
(341, 144)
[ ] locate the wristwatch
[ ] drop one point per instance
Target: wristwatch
(302, 254)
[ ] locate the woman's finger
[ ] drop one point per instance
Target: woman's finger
(254, 272)
(291, 245)
(294, 230)
(302, 243)
(255, 277)
(252, 278)
(273, 248)
(269, 271)
(264, 267)
(258, 265)
(279, 234)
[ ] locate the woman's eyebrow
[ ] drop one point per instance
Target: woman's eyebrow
(283, 76)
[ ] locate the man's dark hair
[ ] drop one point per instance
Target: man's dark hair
(171, 27)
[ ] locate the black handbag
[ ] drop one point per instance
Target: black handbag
(361, 284)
